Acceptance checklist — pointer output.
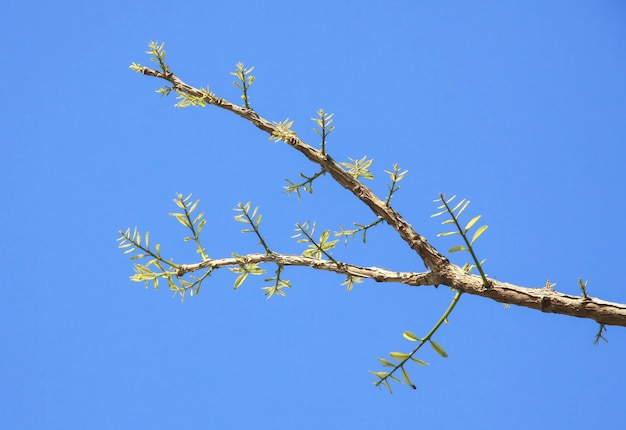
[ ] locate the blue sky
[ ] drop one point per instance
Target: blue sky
(517, 106)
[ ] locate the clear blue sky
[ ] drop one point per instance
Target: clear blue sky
(517, 106)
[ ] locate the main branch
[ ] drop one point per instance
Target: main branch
(441, 270)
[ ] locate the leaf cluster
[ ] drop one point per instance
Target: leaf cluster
(157, 267)
(254, 221)
(195, 226)
(399, 360)
(455, 214)
(245, 80)
(323, 121)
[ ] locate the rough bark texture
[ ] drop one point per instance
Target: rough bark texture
(441, 271)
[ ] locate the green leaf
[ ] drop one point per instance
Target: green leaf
(466, 203)
(399, 355)
(179, 202)
(480, 231)
(418, 361)
(448, 233)
(406, 378)
(457, 248)
(410, 336)
(472, 222)
(386, 363)
(380, 375)
(240, 279)
(193, 206)
(181, 219)
(458, 205)
(438, 349)
(198, 218)
(324, 236)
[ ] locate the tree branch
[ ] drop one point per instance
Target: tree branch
(543, 299)
(442, 271)
(375, 273)
(431, 257)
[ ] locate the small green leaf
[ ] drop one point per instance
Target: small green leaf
(386, 363)
(418, 361)
(480, 231)
(324, 236)
(410, 336)
(399, 355)
(179, 202)
(181, 219)
(406, 378)
(457, 248)
(380, 375)
(450, 199)
(193, 206)
(448, 233)
(466, 203)
(438, 349)
(458, 205)
(472, 222)
(240, 279)
(198, 218)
